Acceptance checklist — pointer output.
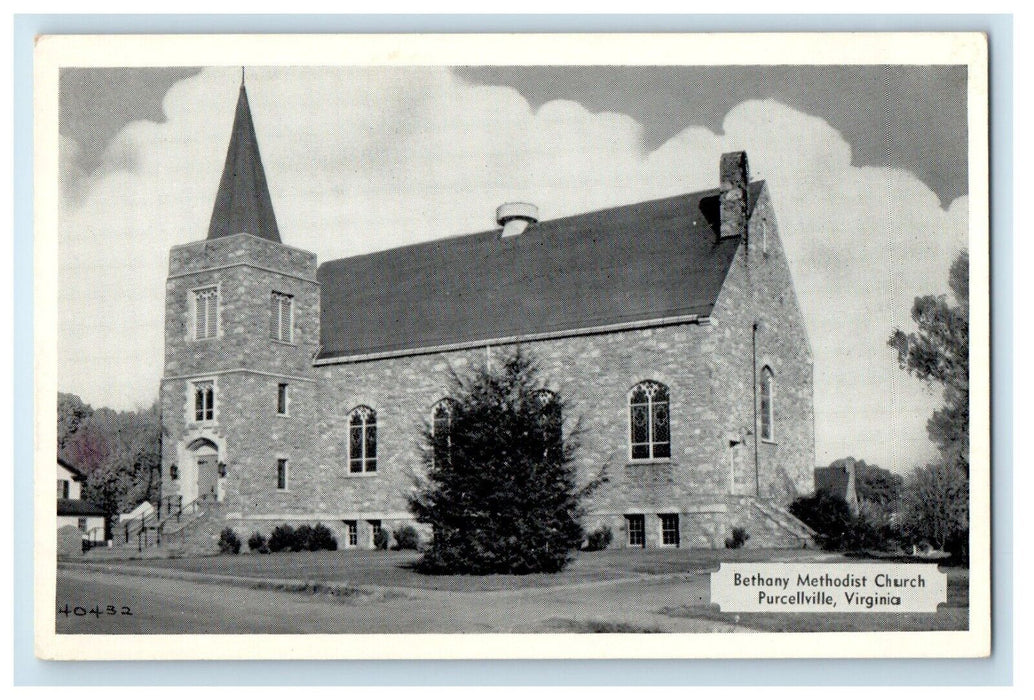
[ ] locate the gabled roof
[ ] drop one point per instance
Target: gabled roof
(242, 204)
(72, 506)
(648, 261)
(76, 471)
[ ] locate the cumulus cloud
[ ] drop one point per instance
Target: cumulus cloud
(366, 159)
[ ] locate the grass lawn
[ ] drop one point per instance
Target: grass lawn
(371, 567)
(952, 615)
(658, 590)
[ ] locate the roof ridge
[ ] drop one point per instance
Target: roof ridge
(697, 194)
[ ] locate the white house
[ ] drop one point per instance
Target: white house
(71, 509)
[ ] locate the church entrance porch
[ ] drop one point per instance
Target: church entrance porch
(203, 461)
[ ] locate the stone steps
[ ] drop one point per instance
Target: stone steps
(196, 533)
(786, 524)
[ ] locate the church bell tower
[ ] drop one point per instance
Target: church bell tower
(241, 327)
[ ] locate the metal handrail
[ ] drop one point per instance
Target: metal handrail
(174, 510)
(189, 509)
(140, 524)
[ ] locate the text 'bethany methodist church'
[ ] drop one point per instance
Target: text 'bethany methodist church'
(295, 392)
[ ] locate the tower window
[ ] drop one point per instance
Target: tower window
(206, 312)
(362, 440)
(281, 399)
(281, 475)
(351, 533)
(204, 401)
(280, 320)
(649, 427)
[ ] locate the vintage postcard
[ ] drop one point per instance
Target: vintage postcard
(512, 346)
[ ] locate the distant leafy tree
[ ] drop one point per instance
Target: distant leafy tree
(935, 507)
(72, 412)
(939, 352)
(877, 485)
(500, 493)
(119, 451)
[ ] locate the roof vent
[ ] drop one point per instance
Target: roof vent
(514, 217)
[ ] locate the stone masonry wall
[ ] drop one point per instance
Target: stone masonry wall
(594, 374)
(707, 367)
(246, 366)
(759, 288)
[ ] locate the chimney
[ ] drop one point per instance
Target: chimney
(514, 217)
(735, 178)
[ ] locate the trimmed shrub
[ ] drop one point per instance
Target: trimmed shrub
(599, 539)
(406, 537)
(381, 539)
(229, 543)
(281, 539)
(257, 543)
(827, 515)
(304, 539)
(841, 530)
(322, 538)
(738, 539)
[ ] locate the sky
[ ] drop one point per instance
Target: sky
(866, 166)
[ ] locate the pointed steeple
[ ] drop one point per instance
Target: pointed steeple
(243, 204)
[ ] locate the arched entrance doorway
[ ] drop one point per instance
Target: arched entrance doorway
(205, 455)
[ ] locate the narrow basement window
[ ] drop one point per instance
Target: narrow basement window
(636, 530)
(670, 530)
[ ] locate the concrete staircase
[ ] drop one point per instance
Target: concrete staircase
(179, 531)
(781, 526)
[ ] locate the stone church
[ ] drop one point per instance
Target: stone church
(296, 392)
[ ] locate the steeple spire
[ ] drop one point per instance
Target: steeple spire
(242, 204)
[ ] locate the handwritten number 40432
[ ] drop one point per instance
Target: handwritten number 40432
(96, 611)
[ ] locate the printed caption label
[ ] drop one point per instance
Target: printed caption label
(864, 588)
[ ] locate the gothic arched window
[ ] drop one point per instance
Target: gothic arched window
(362, 440)
(649, 426)
(550, 417)
(767, 404)
(441, 429)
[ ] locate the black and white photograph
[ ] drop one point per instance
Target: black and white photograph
(517, 340)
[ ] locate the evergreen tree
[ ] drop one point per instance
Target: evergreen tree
(500, 491)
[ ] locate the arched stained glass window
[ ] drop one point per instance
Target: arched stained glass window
(649, 424)
(441, 429)
(550, 414)
(362, 440)
(767, 404)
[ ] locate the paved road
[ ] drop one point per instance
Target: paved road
(171, 606)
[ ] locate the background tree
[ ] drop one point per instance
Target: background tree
(500, 491)
(935, 507)
(876, 485)
(72, 412)
(119, 451)
(939, 352)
